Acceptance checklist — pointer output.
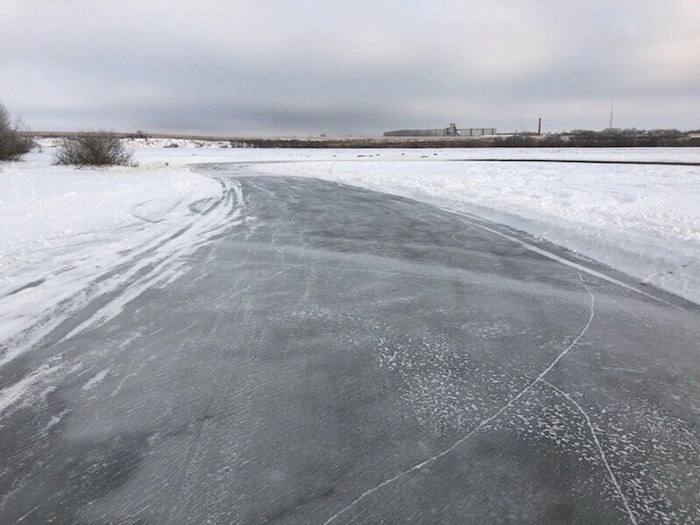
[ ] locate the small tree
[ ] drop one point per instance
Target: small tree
(102, 148)
(12, 143)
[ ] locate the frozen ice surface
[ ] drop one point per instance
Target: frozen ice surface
(305, 351)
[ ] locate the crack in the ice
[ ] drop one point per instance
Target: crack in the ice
(600, 449)
(484, 422)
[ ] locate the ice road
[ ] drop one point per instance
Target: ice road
(330, 354)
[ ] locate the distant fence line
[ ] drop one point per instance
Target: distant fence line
(476, 132)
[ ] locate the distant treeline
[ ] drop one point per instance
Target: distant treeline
(602, 139)
(578, 138)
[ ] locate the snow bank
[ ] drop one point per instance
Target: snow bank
(61, 228)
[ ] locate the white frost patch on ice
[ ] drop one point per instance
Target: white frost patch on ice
(95, 380)
(484, 422)
(55, 420)
(28, 384)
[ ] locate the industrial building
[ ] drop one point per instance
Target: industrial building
(450, 131)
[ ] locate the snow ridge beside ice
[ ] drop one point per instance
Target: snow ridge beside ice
(68, 235)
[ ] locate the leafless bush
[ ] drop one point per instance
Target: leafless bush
(102, 148)
(12, 143)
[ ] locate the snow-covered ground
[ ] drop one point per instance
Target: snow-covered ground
(63, 230)
(63, 227)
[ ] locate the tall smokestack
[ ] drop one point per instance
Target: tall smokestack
(539, 127)
(612, 107)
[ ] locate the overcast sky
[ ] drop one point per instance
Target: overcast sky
(349, 67)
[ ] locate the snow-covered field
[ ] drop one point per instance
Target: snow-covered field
(63, 227)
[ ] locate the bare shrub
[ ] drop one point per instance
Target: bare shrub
(12, 143)
(101, 148)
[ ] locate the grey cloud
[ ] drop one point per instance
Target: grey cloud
(305, 66)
